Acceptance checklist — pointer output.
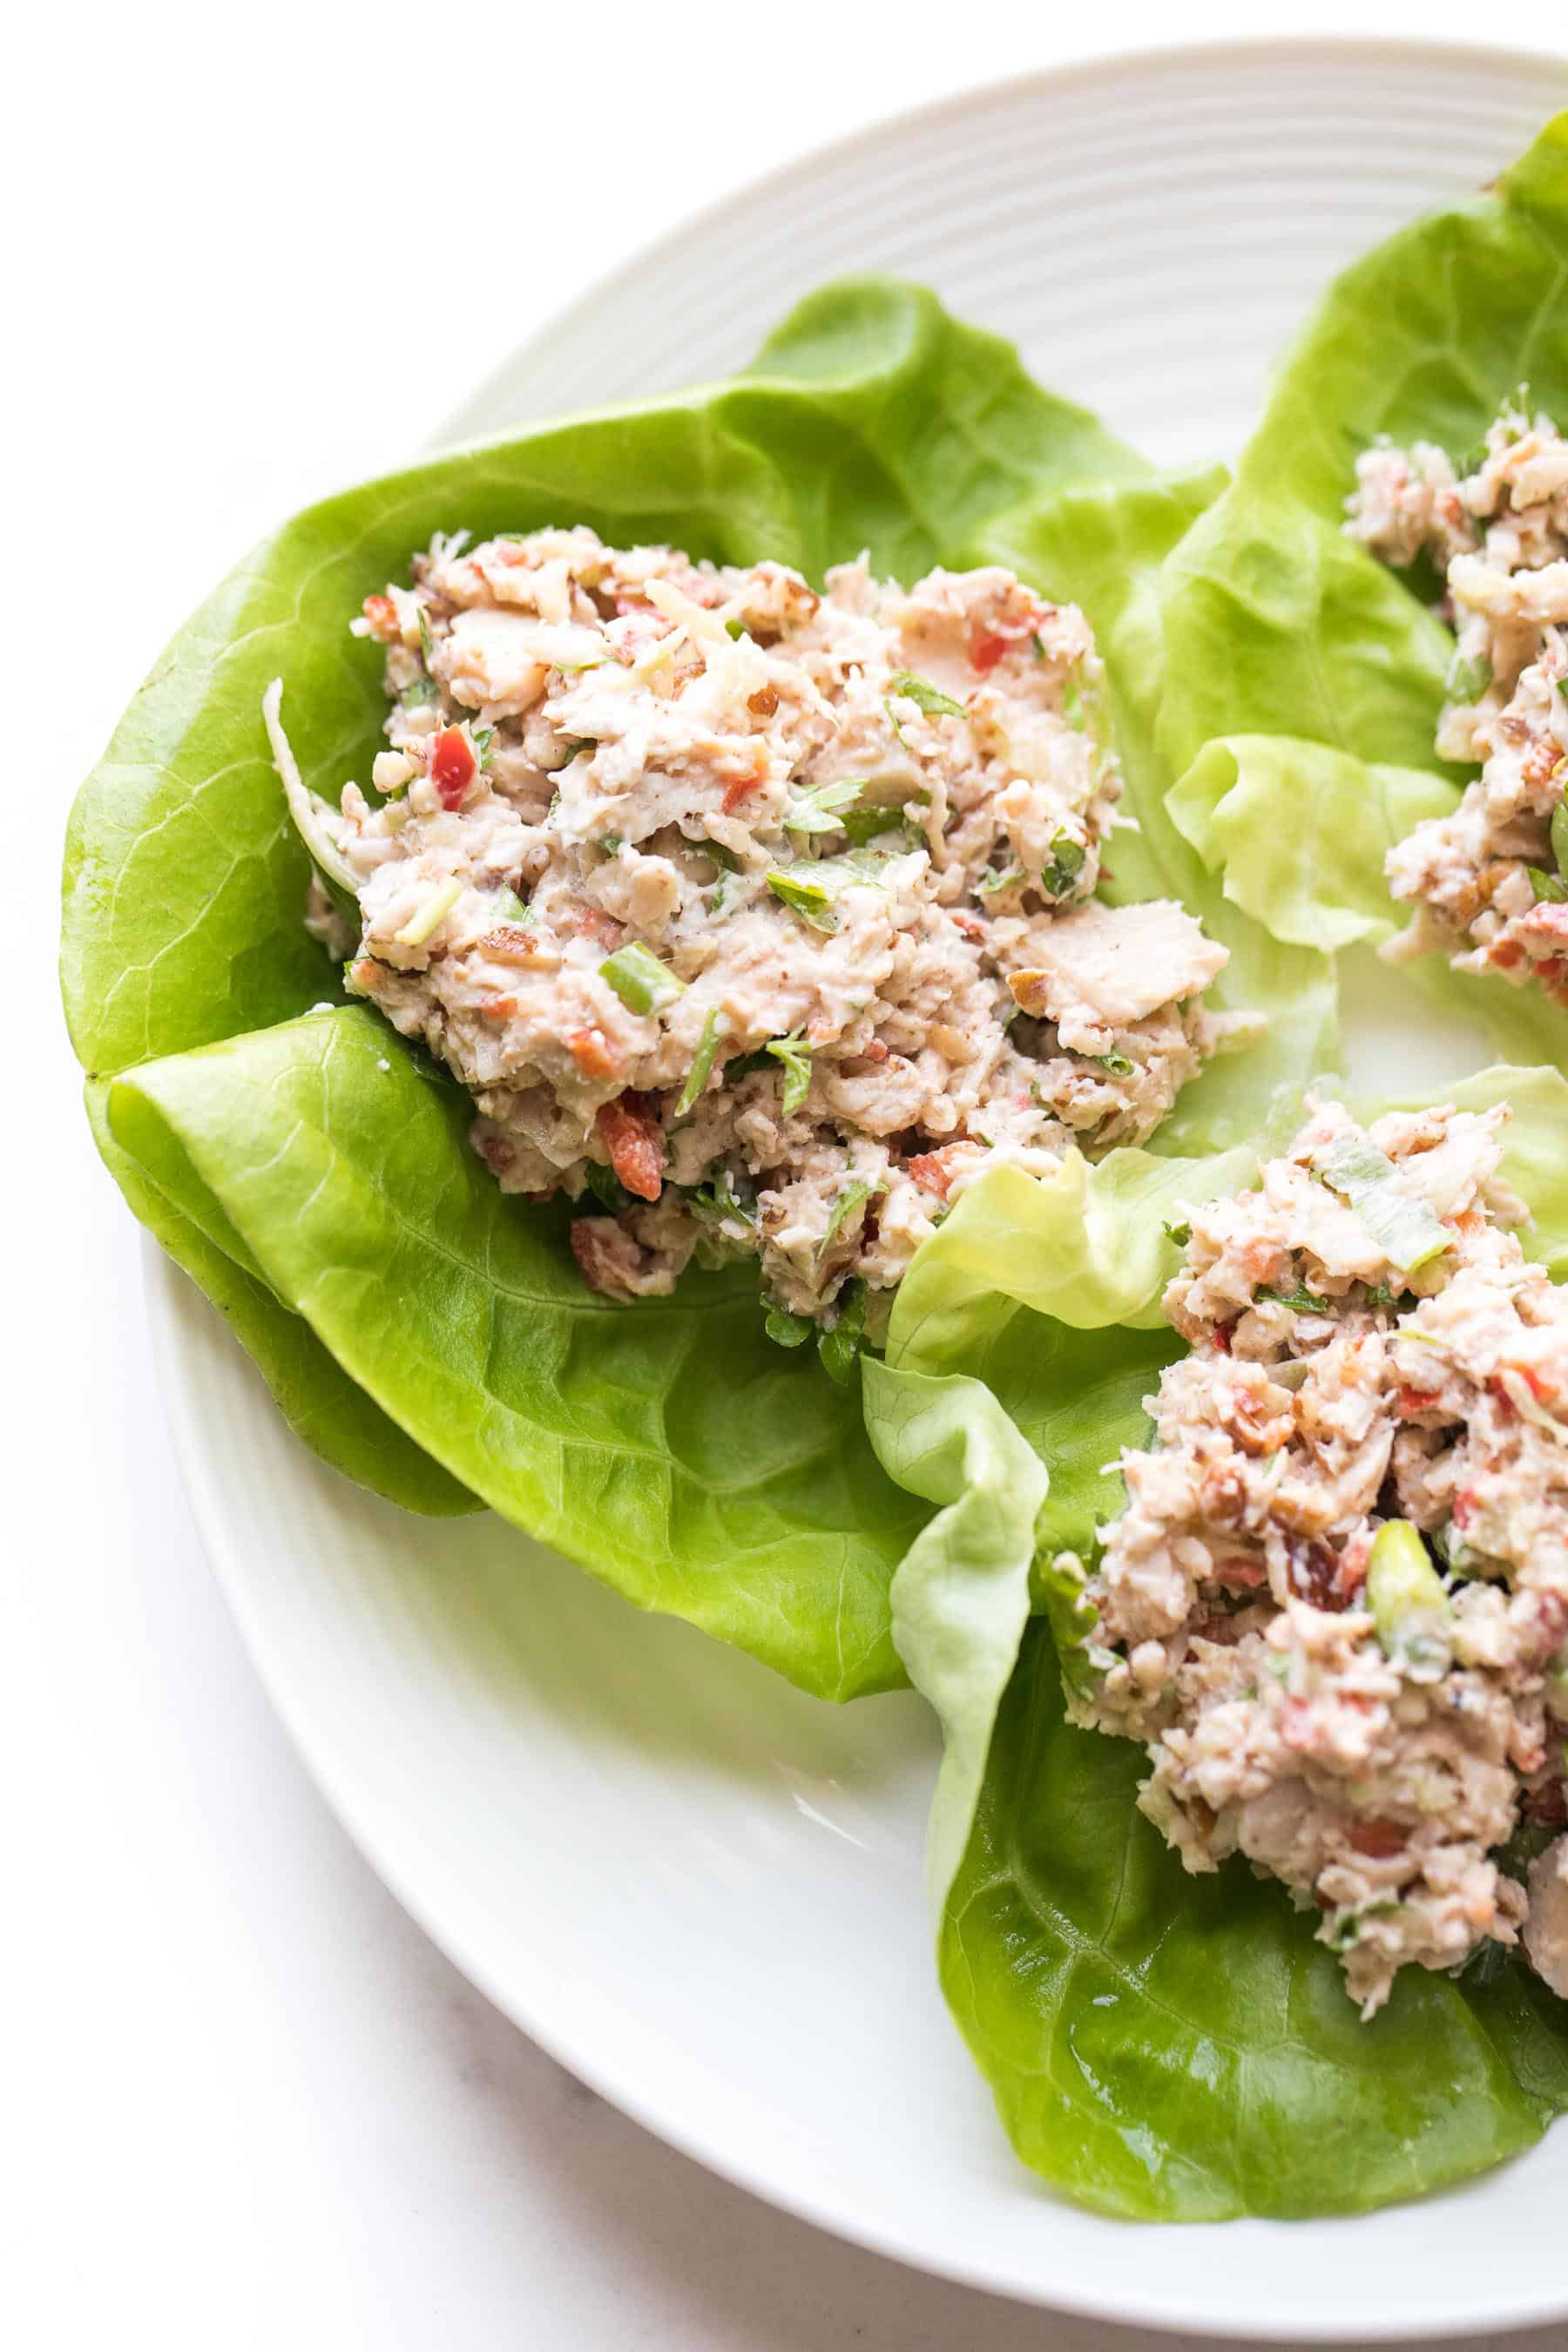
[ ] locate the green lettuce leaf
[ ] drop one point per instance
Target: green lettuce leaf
(748, 1502)
(1178, 2049)
(320, 1404)
(961, 1597)
(1160, 2045)
(1303, 677)
(1296, 834)
(1276, 624)
(668, 1448)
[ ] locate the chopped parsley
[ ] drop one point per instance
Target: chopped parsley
(1304, 1301)
(1181, 1234)
(821, 811)
(908, 685)
(607, 1186)
(1067, 864)
(848, 1201)
(1546, 886)
(787, 1330)
(839, 1348)
(812, 901)
(796, 1056)
(721, 1201)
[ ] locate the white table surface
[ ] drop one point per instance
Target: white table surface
(249, 2104)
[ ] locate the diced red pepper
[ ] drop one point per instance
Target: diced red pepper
(741, 788)
(1501, 1397)
(1240, 1575)
(1543, 1390)
(1222, 1332)
(933, 1171)
(382, 615)
(635, 1146)
(1413, 1401)
(1506, 954)
(592, 1053)
(453, 766)
(985, 652)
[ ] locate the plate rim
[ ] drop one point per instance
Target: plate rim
(180, 1318)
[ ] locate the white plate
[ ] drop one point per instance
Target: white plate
(699, 1889)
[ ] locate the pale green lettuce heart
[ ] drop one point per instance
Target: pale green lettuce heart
(1295, 834)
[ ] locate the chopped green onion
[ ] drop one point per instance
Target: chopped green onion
(701, 1069)
(796, 1056)
(720, 855)
(609, 844)
(1067, 864)
(1386, 1294)
(1181, 1234)
(848, 1201)
(433, 911)
(1405, 1229)
(1546, 886)
(481, 738)
(991, 883)
(427, 643)
(554, 809)
(925, 696)
(573, 744)
(1410, 1608)
(1468, 680)
(820, 811)
(509, 907)
(419, 692)
(839, 1348)
(806, 898)
(786, 1330)
(640, 980)
(1559, 834)
(1117, 1064)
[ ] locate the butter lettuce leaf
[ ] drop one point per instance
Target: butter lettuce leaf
(1303, 677)
(1161, 2046)
(673, 1450)
(670, 1447)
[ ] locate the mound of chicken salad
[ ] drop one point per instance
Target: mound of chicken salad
(1489, 883)
(757, 920)
(1335, 1607)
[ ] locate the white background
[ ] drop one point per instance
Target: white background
(255, 253)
